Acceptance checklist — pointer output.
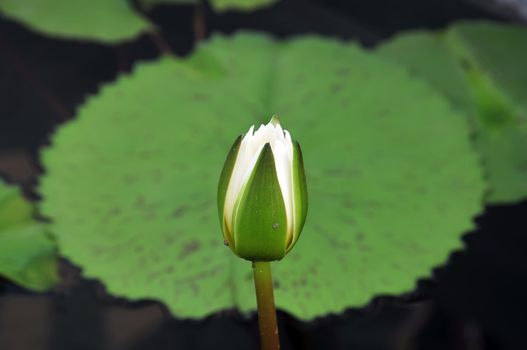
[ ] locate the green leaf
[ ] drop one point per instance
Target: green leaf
(27, 256)
(479, 67)
(393, 182)
(240, 5)
(218, 5)
(106, 21)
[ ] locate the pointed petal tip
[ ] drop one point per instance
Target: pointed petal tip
(267, 147)
(250, 132)
(297, 148)
(274, 120)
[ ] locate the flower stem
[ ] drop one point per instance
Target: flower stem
(263, 283)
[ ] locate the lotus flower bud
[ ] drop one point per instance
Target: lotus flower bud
(262, 195)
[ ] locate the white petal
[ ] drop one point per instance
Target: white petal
(283, 171)
(250, 149)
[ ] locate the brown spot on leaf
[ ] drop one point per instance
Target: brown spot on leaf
(203, 205)
(302, 282)
(158, 175)
(343, 71)
(334, 88)
(110, 214)
(115, 211)
(385, 113)
(359, 237)
(335, 172)
(330, 238)
(365, 248)
(421, 190)
(347, 203)
(140, 202)
(179, 211)
(200, 96)
(188, 249)
(346, 219)
(195, 289)
(152, 276)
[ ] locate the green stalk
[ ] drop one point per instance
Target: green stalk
(263, 283)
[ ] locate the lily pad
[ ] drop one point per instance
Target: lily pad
(27, 255)
(218, 5)
(479, 66)
(130, 185)
(240, 5)
(107, 21)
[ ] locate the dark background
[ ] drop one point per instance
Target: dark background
(476, 301)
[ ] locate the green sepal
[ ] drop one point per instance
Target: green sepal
(260, 219)
(300, 197)
(223, 184)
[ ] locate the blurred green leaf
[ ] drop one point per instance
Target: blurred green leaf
(27, 256)
(107, 21)
(480, 67)
(393, 182)
(218, 5)
(240, 5)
